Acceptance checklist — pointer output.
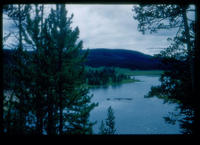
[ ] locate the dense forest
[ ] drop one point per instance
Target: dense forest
(123, 58)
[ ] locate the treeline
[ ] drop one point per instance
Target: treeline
(47, 95)
(104, 76)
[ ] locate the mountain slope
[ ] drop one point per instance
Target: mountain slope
(122, 58)
(110, 57)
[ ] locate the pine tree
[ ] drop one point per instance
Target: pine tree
(110, 122)
(68, 104)
(72, 95)
(49, 80)
(34, 36)
(153, 18)
(102, 128)
(17, 13)
(180, 81)
(109, 126)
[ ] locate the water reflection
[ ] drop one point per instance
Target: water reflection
(185, 113)
(116, 86)
(185, 117)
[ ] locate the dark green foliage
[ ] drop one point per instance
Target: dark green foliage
(177, 83)
(48, 92)
(17, 124)
(115, 58)
(155, 17)
(110, 121)
(102, 128)
(176, 87)
(104, 76)
(7, 74)
(109, 126)
(71, 94)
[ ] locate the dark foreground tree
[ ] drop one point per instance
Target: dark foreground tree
(179, 82)
(17, 105)
(51, 97)
(153, 18)
(73, 99)
(109, 126)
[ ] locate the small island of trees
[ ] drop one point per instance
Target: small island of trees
(106, 76)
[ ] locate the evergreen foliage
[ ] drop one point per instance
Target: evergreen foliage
(50, 97)
(109, 126)
(177, 83)
(18, 105)
(104, 76)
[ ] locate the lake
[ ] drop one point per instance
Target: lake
(134, 114)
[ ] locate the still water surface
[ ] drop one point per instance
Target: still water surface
(134, 114)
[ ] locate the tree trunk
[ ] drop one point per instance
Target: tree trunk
(60, 44)
(1, 88)
(60, 95)
(39, 123)
(196, 72)
(189, 47)
(21, 100)
(39, 46)
(50, 118)
(39, 111)
(20, 27)
(9, 114)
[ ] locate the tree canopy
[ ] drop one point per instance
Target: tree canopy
(48, 89)
(177, 83)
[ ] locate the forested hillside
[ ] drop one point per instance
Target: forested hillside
(113, 57)
(122, 58)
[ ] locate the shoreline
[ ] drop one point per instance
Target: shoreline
(113, 83)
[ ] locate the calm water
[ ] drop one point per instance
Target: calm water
(136, 115)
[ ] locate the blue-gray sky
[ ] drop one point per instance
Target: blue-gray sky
(111, 26)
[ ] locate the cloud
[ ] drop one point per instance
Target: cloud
(111, 26)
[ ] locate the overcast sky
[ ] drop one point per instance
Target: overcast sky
(112, 26)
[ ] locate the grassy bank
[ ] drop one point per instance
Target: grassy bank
(113, 83)
(127, 72)
(139, 72)
(130, 72)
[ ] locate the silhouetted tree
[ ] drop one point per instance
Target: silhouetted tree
(17, 13)
(73, 99)
(102, 128)
(179, 82)
(49, 92)
(109, 126)
(164, 16)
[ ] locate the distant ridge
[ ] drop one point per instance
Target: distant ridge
(110, 58)
(122, 58)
